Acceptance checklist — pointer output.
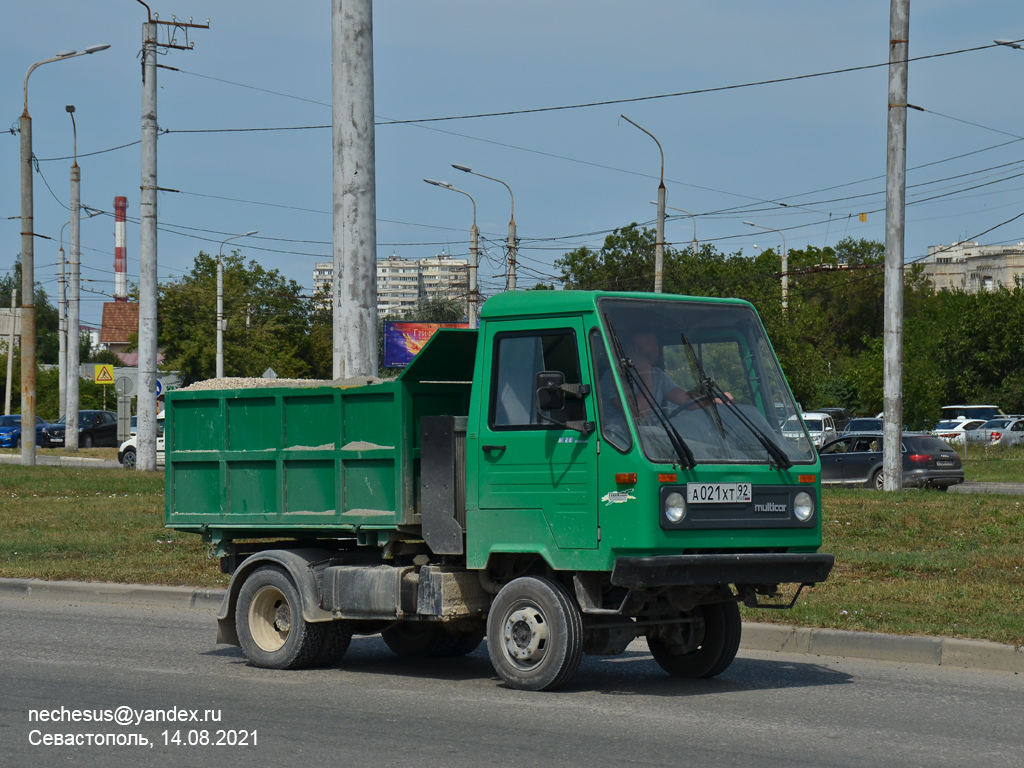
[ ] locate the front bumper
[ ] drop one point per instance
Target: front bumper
(713, 570)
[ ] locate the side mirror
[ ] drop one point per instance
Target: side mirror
(550, 395)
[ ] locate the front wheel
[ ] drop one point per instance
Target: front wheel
(534, 634)
(700, 648)
(87, 441)
(269, 622)
(877, 481)
(128, 458)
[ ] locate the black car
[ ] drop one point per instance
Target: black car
(840, 416)
(863, 424)
(95, 428)
(856, 460)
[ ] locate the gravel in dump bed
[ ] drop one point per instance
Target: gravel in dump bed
(256, 383)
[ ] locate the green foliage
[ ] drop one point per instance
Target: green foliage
(268, 322)
(47, 338)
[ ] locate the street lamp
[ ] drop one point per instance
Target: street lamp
(510, 281)
(220, 301)
(659, 241)
(785, 261)
(28, 293)
(1008, 43)
(473, 235)
(694, 243)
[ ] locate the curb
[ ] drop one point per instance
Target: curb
(773, 638)
(937, 651)
(96, 592)
(63, 461)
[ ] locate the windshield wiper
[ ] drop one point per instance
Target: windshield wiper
(707, 386)
(682, 450)
(709, 389)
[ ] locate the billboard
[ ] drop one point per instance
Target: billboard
(403, 340)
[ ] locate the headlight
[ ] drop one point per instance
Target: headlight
(675, 507)
(803, 506)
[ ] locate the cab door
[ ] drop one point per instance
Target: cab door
(528, 463)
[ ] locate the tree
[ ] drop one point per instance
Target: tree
(267, 321)
(47, 338)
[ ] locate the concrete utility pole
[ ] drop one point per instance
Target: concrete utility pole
(74, 314)
(895, 210)
(355, 195)
(474, 251)
(659, 241)
(28, 279)
(510, 280)
(62, 330)
(10, 351)
(146, 379)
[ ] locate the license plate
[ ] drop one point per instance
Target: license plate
(56, 439)
(944, 464)
(717, 493)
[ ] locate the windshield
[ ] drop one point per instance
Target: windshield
(727, 342)
(813, 425)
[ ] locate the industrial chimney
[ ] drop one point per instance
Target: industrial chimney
(120, 253)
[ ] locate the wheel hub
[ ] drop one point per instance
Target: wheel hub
(526, 635)
(283, 618)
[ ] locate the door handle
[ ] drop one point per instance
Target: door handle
(489, 448)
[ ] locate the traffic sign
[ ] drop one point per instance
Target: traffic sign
(159, 388)
(104, 374)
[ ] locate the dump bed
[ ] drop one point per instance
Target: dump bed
(275, 461)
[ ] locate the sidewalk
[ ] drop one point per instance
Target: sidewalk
(777, 638)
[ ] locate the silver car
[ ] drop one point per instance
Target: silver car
(1002, 431)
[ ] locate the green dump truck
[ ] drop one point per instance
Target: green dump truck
(584, 469)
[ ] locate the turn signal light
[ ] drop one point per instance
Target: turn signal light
(625, 477)
(807, 478)
(668, 478)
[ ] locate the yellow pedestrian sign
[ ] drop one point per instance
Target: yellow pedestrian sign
(104, 374)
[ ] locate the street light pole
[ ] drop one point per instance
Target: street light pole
(220, 302)
(28, 292)
(510, 281)
(74, 284)
(693, 245)
(471, 313)
(785, 262)
(62, 331)
(659, 242)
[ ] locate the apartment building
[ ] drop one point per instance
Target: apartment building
(971, 267)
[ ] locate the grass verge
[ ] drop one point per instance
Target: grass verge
(917, 563)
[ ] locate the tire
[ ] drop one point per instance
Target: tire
(719, 629)
(18, 444)
(534, 634)
(466, 644)
(128, 458)
(877, 481)
(268, 618)
(418, 640)
(337, 636)
(87, 441)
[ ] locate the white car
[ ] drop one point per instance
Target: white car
(819, 426)
(954, 430)
(126, 454)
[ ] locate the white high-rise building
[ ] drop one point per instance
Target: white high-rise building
(403, 283)
(970, 267)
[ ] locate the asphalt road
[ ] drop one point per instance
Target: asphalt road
(374, 710)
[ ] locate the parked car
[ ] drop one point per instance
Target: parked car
(983, 412)
(10, 431)
(856, 460)
(1003, 431)
(861, 425)
(128, 451)
(840, 416)
(954, 430)
(95, 428)
(819, 427)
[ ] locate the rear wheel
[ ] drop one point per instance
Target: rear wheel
(417, 640)
(337, 637)
(269, 622)
(534, 634)
(702, 648)
(87, 441)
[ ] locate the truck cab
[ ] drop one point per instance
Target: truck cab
(585, 468)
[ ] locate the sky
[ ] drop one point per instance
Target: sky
(805, 156)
